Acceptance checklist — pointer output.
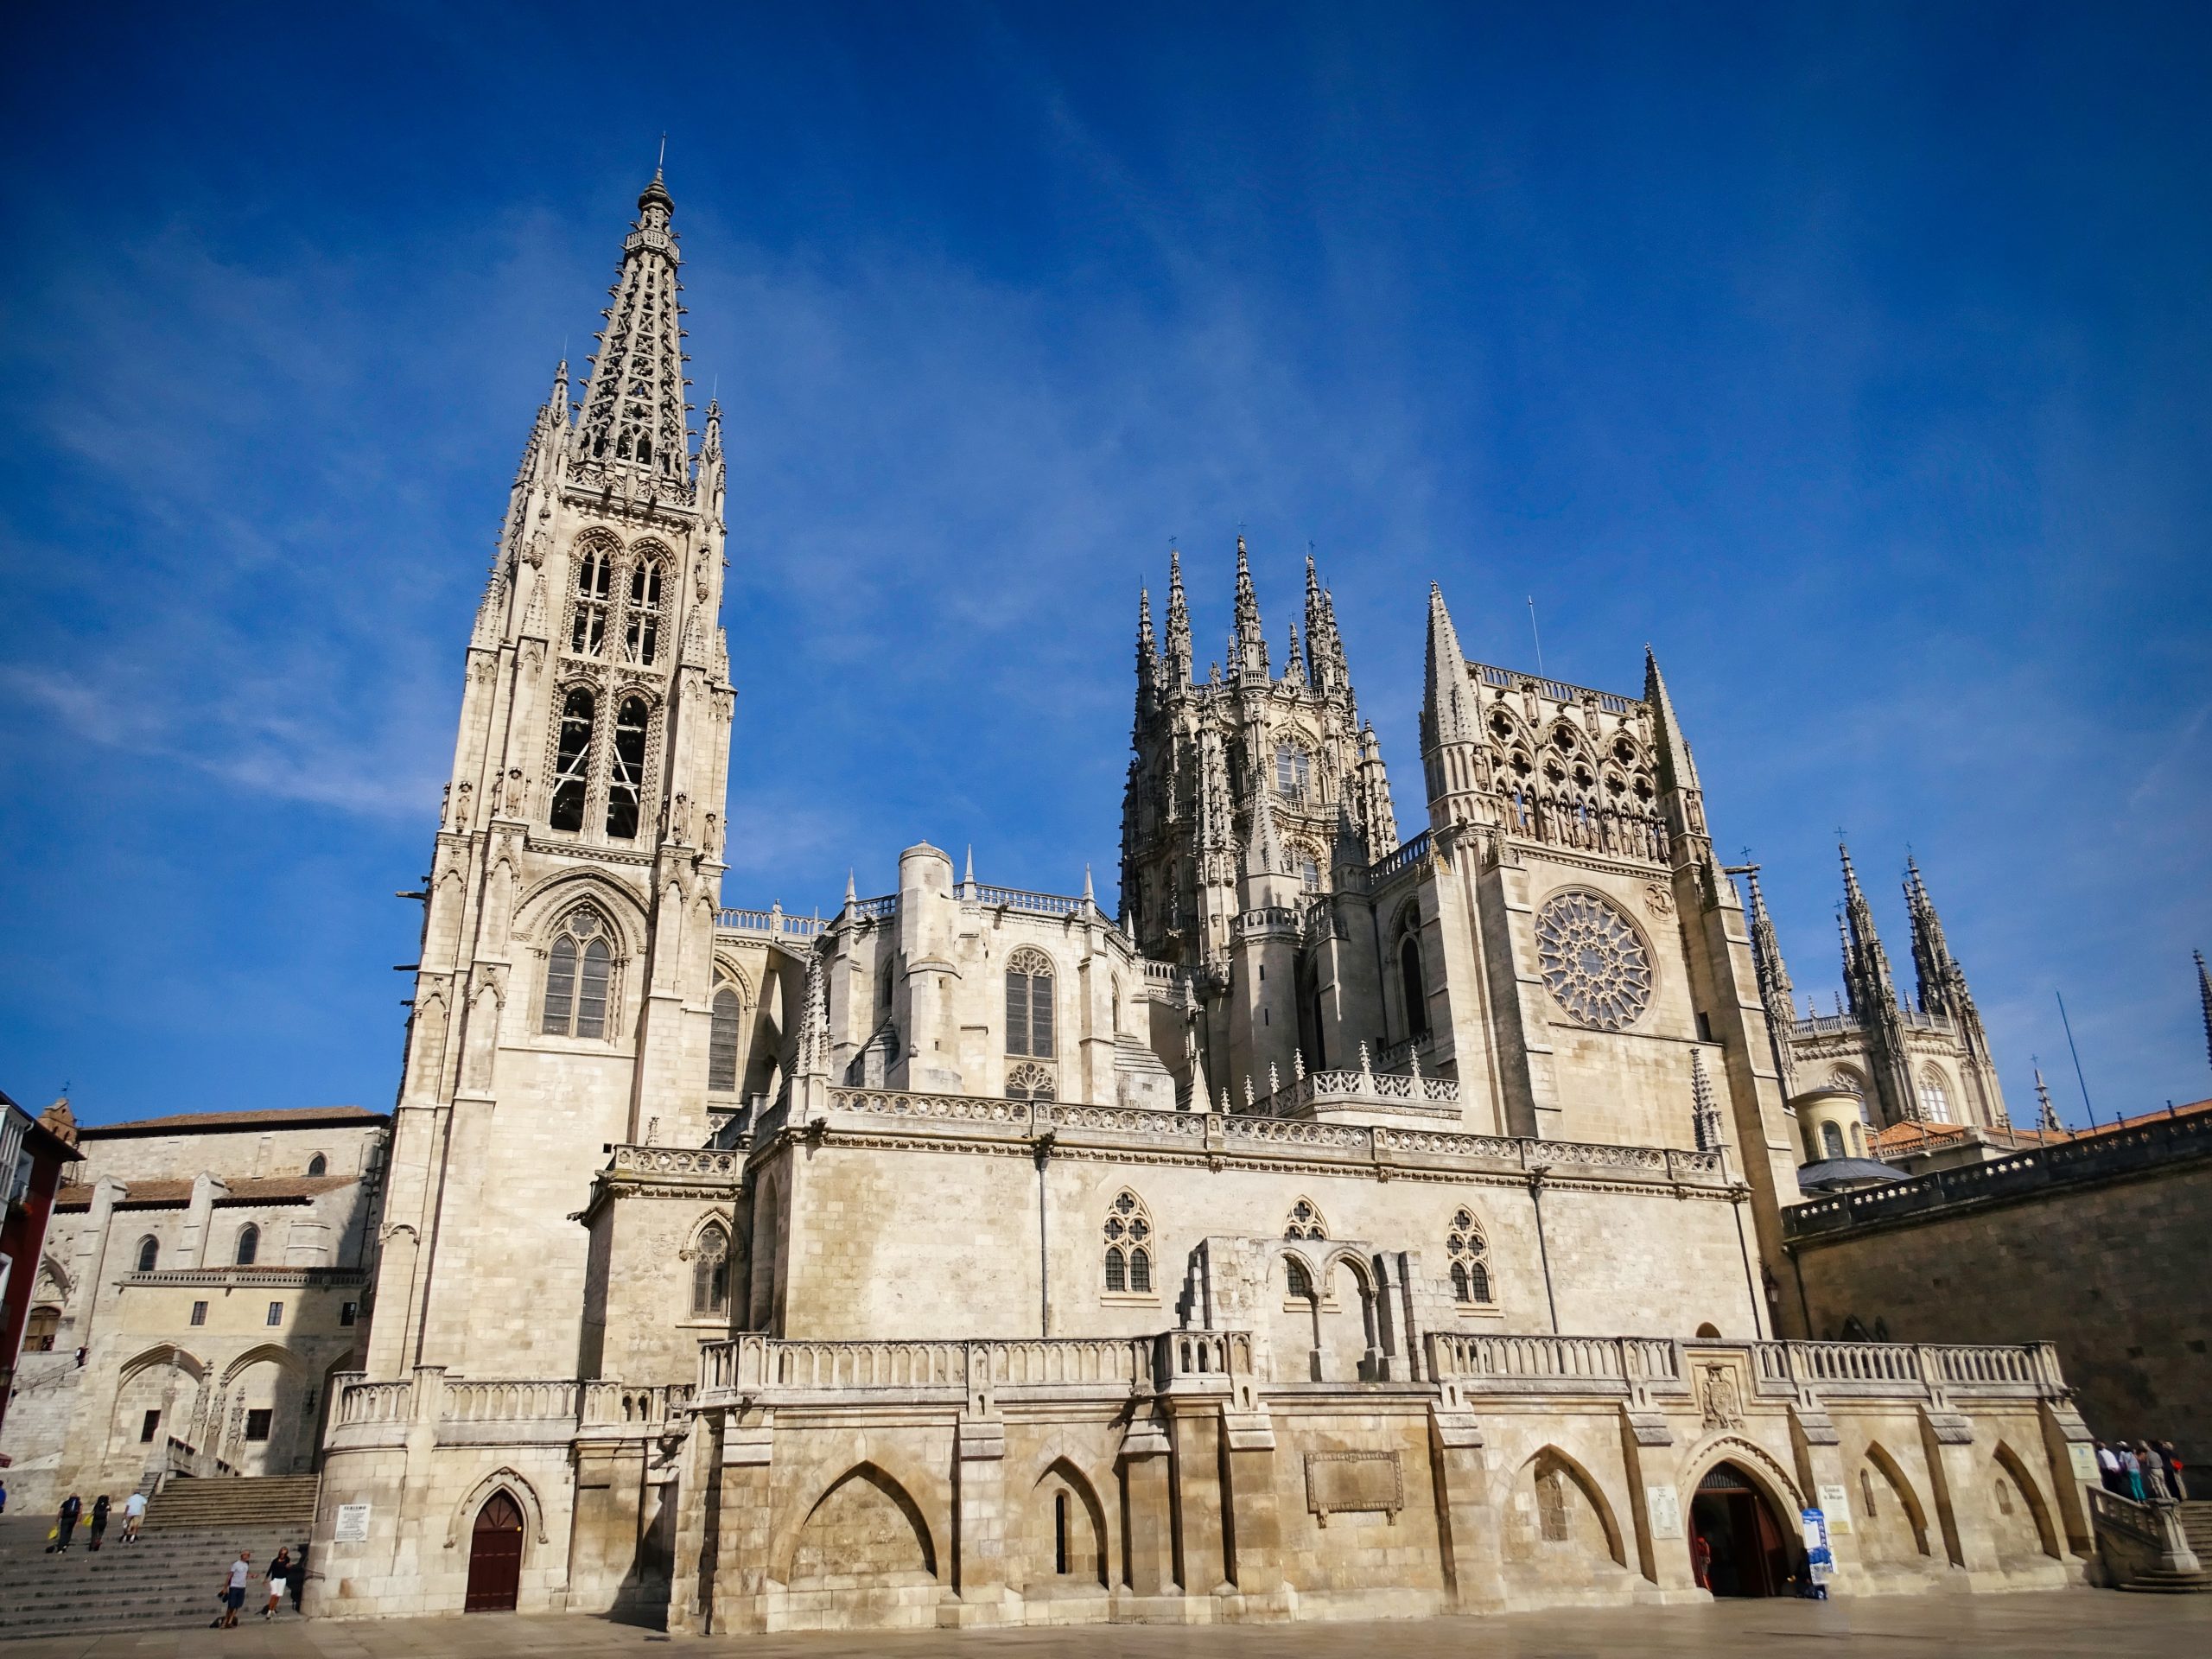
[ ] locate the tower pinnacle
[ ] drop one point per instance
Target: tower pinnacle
(636, 428)
(1249, 644)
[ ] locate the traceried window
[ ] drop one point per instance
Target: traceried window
(249, 1245)
(1593, 960)
(641, 634)
(722, 1041)
(149, 1254)
(578, 970)
(1029, 1004)
(1129, 1245)
(1030, 1081)
(1469, 1256)
(572, 763)
(1934, 1105)
(710, 1272)
(1305, 1222)
(1293, 771)
(626, 785)
(594, 575)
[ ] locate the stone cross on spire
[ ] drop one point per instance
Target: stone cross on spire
(636, 428)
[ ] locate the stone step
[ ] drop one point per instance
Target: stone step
(2158, 1583)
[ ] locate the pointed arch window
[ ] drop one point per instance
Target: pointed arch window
(1029, 1004)
(722, 1041)
(572, 763)
(641, 636)
(1935, 1104)
(1411, 983)
(594, 577)
(710, 1272)
(1305, 1222)
(577, 971)
(317, 1165)
(249, 1248)
(625, 787)
(1129, 1245)
(1293, 771)
(1469, 1256)
(149, 1254)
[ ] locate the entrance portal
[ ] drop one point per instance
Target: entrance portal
(1737, 1543)
(495, 1556)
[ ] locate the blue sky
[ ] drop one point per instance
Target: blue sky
(1856, 357)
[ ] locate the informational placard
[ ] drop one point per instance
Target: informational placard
(1820, 1560)
(1836, 1505)
(1665, 1510)
(352, 1524)
(2084, 1459)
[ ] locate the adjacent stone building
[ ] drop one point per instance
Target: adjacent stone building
(1349, 1226)
(201, 1280)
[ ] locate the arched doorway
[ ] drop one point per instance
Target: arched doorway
(495, 1556)
(1737, 1541)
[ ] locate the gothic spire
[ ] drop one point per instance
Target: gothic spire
(1775, 992)
(1178, 624)
(1941, 982)
(2204, 997)
(1294, 667)
(1865, 964)
(1249, 643)
(1676, 769)
(1148, 654)
(1447, 706)
(2049, 1113)
(636, 426)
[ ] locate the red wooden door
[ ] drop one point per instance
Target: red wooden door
(495, 1556)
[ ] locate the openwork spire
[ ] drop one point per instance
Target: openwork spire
(636, 430)
(1941, 981)
(1705, 1111)
(1178, 624)
(1775, 992)
(1249, 644)
(1865, 964)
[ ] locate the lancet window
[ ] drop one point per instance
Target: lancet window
(594, 579)
(249, 1246)
(721, 1040)
(710, 1271)
(149, 1254)
(1129, 1245)
(1469, 1256)
(572, 761)
(1935, 1102)
(1029, 1004)
(1293, 771)
(625, 784)
(578, 969)
(641, 635)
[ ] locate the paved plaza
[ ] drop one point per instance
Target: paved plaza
(2102, 1623)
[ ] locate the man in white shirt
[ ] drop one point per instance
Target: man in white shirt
(234, 1589)
(134, 1512)
(2108, 1467)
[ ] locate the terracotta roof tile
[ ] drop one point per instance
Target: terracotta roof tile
(205, 1123)
(275, 1189)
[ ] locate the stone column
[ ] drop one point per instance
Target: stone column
(1195, 1425)
(1148, 1519)
(979, 1525)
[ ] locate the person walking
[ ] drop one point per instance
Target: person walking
(134, 1516)
(2108, 1467)
(234, 1590)
(99, 1520)
(279, 1575)
(2173, 1472)
(65, 1519)
(2154, 1474)
(2132, 1467)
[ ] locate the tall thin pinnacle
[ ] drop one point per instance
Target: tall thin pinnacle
(1249, 643)
(636, 419)
(2204, 997)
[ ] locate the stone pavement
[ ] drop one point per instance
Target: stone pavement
(2080, 1622)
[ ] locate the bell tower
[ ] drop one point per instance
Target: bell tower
(561, 1000)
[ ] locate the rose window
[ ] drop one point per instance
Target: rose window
(1592, 961)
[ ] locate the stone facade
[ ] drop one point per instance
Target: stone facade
(1352, 1226)
(201, 1279)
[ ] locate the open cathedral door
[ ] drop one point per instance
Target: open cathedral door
(495, 1556)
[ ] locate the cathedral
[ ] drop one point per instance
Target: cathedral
(1352, 1225)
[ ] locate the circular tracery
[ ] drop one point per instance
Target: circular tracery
(1593, 962)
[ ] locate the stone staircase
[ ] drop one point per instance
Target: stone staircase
(168, 1580)
(2196, 1527)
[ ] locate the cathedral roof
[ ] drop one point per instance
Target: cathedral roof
(172, 1194)
(283, 1117)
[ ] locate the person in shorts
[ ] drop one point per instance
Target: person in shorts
(234, 1590)
(134, 1516)
(279, 1579)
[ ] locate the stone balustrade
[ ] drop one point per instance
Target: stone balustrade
(696, 1162)
(772, 921)
(1035, 904)
(361, 1401)
(1042, 1366)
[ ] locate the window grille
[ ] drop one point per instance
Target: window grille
(1029, 1004)
(626, 785)
(572, 764)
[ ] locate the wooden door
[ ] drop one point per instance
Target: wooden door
(495, 1556)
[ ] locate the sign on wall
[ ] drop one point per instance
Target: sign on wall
(1836, 1505)
(1665, 1510)
(352, 1524)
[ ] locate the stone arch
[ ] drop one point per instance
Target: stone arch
(1549, 1458)
(165, 1353)
(727, 969)
(1759, 1466)
(463, 1514)
(2010, 1462)
(869, 1505)
(1907, 1500)
(147, 1382)
(260, 1352)
(551, 897)
(1088, 1560)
